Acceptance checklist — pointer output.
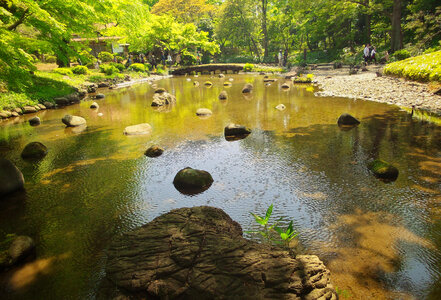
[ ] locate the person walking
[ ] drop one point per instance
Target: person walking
(366, 53)
(373, 52)
(280, 57)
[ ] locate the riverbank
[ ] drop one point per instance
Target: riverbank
(385, 89)
(65, 90)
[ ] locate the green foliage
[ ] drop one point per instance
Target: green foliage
(63, 71)
(342, 293)
(425, 67)
(51, 59)
(96, 78)
(137, 67)
(248, 67)
(401, 54)
(303, 79)
(86, 58)
(119, 66)
(80, 70)
(11, 100)
(272, 232)
(105, 56)
(147, 66)
(119, 58)
(108, 69)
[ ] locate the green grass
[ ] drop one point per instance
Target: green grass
(426, 67)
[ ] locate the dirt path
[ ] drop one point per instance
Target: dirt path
(367, 86)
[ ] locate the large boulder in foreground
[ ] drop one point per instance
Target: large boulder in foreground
(72, 121)
(199, 253)
(164, 98)
(347, 120)
(140, 129)
(34, 150)
(383, 170)
(192, 181)
(11, 179)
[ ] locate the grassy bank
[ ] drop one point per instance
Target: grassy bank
(45, 85)
(426, 67)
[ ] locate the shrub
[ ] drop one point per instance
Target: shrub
(96, 78)
(80, 70)
(63, 71)
(401, 54)
(86, 58)
(119, 66)
(426, 67)
(137, 67)
(51, 59)
(248, 67)
(105, 56)
(147, 66)
(119, 58)
(108, 69)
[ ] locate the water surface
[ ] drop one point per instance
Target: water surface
(380, 240)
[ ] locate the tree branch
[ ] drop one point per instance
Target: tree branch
(19, 21)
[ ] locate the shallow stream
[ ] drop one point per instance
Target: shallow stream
(380, 240)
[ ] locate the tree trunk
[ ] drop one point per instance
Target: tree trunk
(368, 28)
(396, 37)
(264, 29)
(63, 56)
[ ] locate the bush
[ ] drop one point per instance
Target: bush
(188, 59)
(147, 66)
(119, 66)
(108, 69)
(119, 58)
(80, 70)
(105, 56)
(86, 58)
(401, 54)
(137, 67)
(51, 59)
(248, 67)
(426, 67)
(96, 78)
(63, 71)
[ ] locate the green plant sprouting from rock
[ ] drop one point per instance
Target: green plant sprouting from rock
(273, 233)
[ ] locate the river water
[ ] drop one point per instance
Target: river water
(380, 240)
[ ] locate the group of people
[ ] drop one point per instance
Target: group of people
(369, 54)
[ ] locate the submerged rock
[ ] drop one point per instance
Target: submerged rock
(227, 84)
(160, 99)
(154, 151)
(196, 83)
(192, 181)
(234, 131)
(100, 96)
(285, 86)
(139, 129)
(247, 88)
(14, 250)
(72, 121)
(208, 83)
(94, 105)
(383, 170)
(347, 120)
(223, 95)
(11, 179)
(200, 253)
(221, 75)
(204, 112)
(280, 107)
(35, 121)
(34, 150)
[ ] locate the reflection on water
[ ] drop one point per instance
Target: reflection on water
(379, 240)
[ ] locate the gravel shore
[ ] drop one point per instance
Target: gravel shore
(367, 86)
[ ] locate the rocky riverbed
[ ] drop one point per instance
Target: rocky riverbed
(368, 86)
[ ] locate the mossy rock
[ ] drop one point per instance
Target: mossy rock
(383, 170)
(154, 151)
(11, 179)
(34, 150)
(192, 181)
